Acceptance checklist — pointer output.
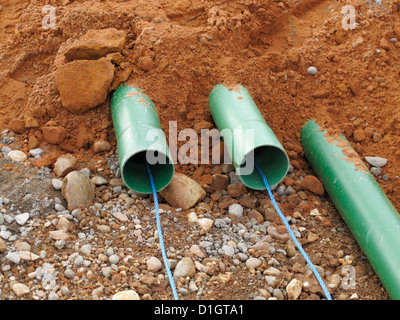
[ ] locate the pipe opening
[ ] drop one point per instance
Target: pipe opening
(272, 161)
(135, 175)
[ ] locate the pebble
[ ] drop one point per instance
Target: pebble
(228, 250)
(293, 289)
(377, 162)
(17, 156)
(253, 263)
(312, 70)
(20, 289)
(236, 209)
(153, 264)
(57, 184)
(36, 152)
(22, 218)
(376, 171)
(13, 257)
(126, 295)
(184, 268)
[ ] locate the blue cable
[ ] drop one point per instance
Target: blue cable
(303, 253)
(160, 236)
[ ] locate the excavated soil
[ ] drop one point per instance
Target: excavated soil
(179, 50)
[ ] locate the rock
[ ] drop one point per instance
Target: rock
(253, 263)
(54, 134)
(236, 209)
(58, 235)
(84, 84)
(95, 44)
(205, 224)
(220, 182)
(359, 135)
(312, 70)
(22, 218)
(228, 250)
(254, 214)
(377, 162)
(197, 251)
(293, 289)
(273, 232)
(313, 185)
(3, 246)
(57, 184)
(184, 268)
(103, 228)
(101, 146)
(153, 264)
(64, 165)
(183, 192)
(376, 171)
(99, 181)
(20, 289)
(28, 256)
(65, 225)
(36, 152)
(126, 295)
(78, 190)
(236, 189)
(13, 257)
(17, 156)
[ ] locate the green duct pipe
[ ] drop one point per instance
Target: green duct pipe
(247, 137)
(364, 206)
(140, 138)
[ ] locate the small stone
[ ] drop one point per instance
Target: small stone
(64, 165)
(114, 259)
(236, 209)
(17, 156)
(28, 256)
(236, 189)
(376, 137)
(58, 235)
(22, 218)
(3, 245)
(184, 268)
(101, 146)
(54, 135)
(20, 289)
(78, 190)
(359, 135)
(376, 171)
(65, 225)
(57, 184)
(293, 289)
(103, 228)
(13, 257)
(153, 264)
(253, 263)
(69, 273)
(183, 192)
(126, 295)
(86, 249)
(312, 70)
(228, 250)
(376, 161)
(312, 184)
(197, 251)
(99, 181)
(205, 224)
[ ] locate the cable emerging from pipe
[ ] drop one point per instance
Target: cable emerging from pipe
(160, 235)
(292, 235)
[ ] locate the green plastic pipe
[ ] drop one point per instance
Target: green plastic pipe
(364, 206)
(247, 137)
(140, 138)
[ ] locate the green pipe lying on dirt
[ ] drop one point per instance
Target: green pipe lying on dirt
(140, 138)
(365, 208)
(247, 137)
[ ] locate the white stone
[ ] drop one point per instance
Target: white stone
(17, 156)
(126, 295)
(294, 288)
(99, 181)
(20, 289)
(236, 209)
(22, 218)
(57, 184)
(253, 263)
(312, 70)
